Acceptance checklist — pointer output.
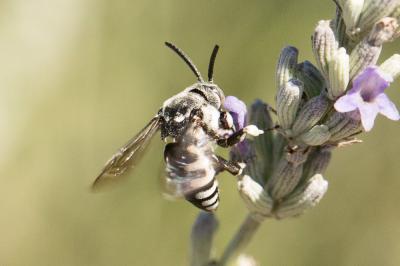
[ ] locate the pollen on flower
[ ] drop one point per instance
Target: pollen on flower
(368, 97)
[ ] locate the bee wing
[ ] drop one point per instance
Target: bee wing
(181, 188)
(186, 172)
(199, 187)
(126, 157)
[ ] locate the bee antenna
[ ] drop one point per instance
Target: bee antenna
(211, 64)
(186, 59)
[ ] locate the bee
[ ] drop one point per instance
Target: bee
(195, 121)
(191, 167)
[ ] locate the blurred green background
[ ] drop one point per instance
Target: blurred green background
(79, 78)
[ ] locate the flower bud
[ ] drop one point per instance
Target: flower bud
(340, 29)
(264, 145)
(255, 197)
(288, 101)
(339, 70)
(374, 10)
(352, 127)
(303, 198)
(286, 65)
(284, 179)
(324, 45)
(260, 116)
(317, 135)
(201, 238)
(310, 114)
(336, 121)
(297, 157)
(363, 55)
(311, 77)
(317, 163)
(391, 66)
(351, 11)
(384, 31)
(245, 152)
(367, 52)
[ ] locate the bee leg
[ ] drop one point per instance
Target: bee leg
(239, 136)
(231, 140)
(232, 167)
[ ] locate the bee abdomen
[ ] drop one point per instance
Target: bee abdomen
(206, 197)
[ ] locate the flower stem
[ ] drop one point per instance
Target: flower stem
(203, 231)
(240, 240)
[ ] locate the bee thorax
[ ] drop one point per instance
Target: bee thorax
(176, 112)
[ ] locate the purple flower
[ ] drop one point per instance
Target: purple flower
(237, 109)
(367, 96)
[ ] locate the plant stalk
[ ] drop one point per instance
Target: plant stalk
(242, 237)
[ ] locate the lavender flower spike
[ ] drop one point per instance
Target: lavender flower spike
(237, 109)
(367, 95)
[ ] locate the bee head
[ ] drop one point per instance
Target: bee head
(207, 89)
(210, 92)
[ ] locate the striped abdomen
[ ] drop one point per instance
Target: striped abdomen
(191, 170)
(205, 198)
